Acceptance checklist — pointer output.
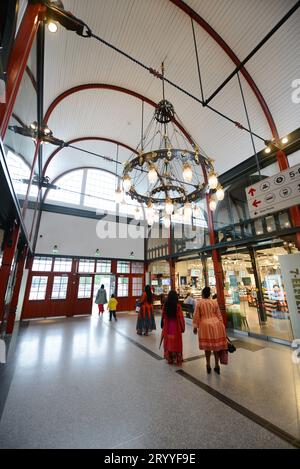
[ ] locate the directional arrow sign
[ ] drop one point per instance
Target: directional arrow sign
(256, 203)
(277, 192)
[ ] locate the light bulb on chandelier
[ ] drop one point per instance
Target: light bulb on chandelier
(152, 175)
(220, 192)
(196, 211)
(169, 206)
(137, 214)
(187, 172)
(212, 204)
(150, 210)
(126, 183)
(212, 180)
(187, 211)
(118, 195)
(167, 221)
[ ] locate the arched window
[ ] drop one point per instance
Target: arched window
(90, 189)
(69, 188)
(20, 173)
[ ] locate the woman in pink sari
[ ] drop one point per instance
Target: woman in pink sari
(208, 322)
(172, 328)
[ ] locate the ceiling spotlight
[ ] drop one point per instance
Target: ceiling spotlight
(52, 27)
(284, 140)
(268, 150)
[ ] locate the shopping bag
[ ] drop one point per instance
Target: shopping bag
(223, 355)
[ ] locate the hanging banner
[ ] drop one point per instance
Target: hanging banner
(290, 270)
(274, 193)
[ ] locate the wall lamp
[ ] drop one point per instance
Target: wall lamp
(55, 12)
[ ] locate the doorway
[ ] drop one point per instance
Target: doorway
(108, 281)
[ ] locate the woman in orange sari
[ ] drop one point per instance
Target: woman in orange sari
(173, 326)
(208, 322)
(145, 320)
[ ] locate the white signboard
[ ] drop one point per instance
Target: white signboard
(290, 270)
(274, 193)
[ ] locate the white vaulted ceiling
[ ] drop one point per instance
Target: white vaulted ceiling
(153, 31)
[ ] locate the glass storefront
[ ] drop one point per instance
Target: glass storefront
(254, 293)
(193, 275)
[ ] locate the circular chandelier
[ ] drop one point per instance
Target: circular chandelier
(170, 170)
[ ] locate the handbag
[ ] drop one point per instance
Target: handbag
(231, 347)
(223, 355)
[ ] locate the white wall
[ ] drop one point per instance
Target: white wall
(78, 236)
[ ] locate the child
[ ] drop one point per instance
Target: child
(112, 306)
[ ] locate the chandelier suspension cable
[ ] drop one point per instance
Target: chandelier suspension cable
(249, 124)
(158, 75)
(197, 59)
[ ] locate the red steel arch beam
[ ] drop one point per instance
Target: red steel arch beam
(282, 160)
(105, 86)
(227, 49)
(81, 139)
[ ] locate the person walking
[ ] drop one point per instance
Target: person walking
(112, 307)
(173, 326)
(209, 324)
(101, 299)
(145, 320)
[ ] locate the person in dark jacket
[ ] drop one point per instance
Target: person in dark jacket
(101, 299)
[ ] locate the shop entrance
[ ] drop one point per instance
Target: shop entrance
(254, 293)
(109, 284)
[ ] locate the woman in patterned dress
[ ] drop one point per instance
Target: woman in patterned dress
(146, 321)
(208, 322)
(173, 326)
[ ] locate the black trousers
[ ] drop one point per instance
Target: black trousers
(112, 313)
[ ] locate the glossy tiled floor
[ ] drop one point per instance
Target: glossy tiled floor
(89, 383)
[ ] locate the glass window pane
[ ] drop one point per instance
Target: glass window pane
(38, 288)
(86, 265)
(123, 267)
(69, 188)
(137, 286)
(137, 268)
(123, 284)
(59, 289)
(42, 264)
(103, 267)
(62, 264)
(85, 287)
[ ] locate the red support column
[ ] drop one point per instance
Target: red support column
(18, 60)
(10, 244)
(15, 297)
(171, 261)
(216, 263)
